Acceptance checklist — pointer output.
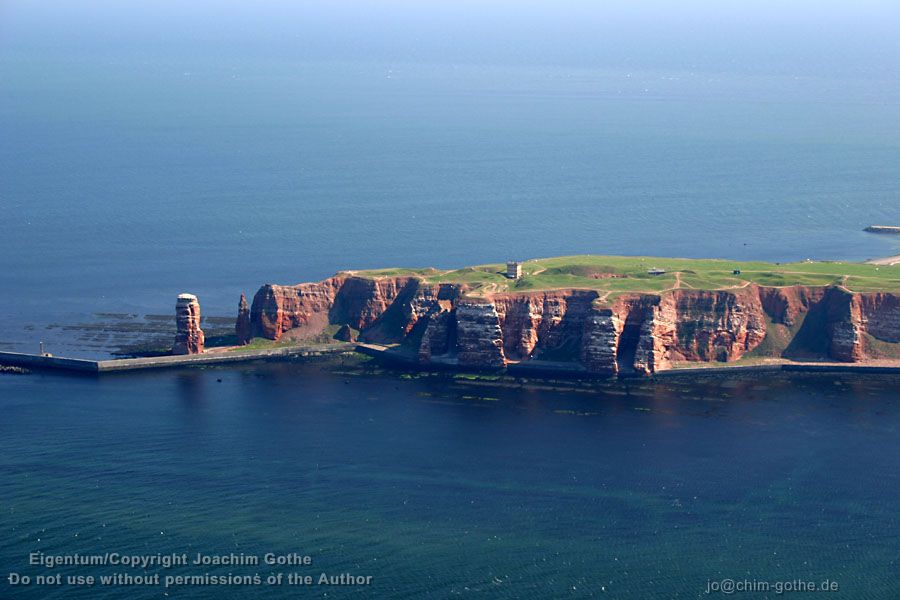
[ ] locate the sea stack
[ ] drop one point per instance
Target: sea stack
(242, 325)
(189, 337)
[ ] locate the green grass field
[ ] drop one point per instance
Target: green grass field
(616, 275)
(258, 343)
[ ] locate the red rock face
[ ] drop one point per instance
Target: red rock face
(479, 338)
(843, 323)
(785, 305)
(879, 315)
(189, 337)
(361, 302)
(857, 320)
(716, 325)
(657, 338)
(839, 316)
(303, 310)
(242, 329)
(383, 310)
(600, 341)
(538, 323)
(645, 333)
(439, 336)
(641, 333)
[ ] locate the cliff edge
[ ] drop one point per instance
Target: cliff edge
(605, 332)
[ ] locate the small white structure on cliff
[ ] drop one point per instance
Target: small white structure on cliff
(513, 269)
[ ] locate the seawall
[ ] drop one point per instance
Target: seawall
(36, 361)
(882, 229)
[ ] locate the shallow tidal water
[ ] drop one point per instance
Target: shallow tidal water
(440, 486)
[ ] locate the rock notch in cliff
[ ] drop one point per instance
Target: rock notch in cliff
(345, 334)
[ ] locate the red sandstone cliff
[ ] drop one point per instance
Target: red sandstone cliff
(640, 333)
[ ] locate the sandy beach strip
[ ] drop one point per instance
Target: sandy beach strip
(889, 260)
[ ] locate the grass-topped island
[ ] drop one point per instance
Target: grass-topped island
(602, 315)
(617, 275)
(590, 315)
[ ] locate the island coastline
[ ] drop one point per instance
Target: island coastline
(581, 316)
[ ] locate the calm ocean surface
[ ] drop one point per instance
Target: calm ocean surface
(439, 487)
(126, 179)
(148, 149)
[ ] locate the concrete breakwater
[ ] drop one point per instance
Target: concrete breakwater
(533, 368)
(37, 361)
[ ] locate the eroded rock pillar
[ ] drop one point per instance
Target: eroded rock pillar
(189, 337)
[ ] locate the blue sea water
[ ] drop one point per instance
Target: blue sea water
(127, 178)
(148, 149)
(441, 487)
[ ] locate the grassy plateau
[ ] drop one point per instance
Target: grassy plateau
(616, 275)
